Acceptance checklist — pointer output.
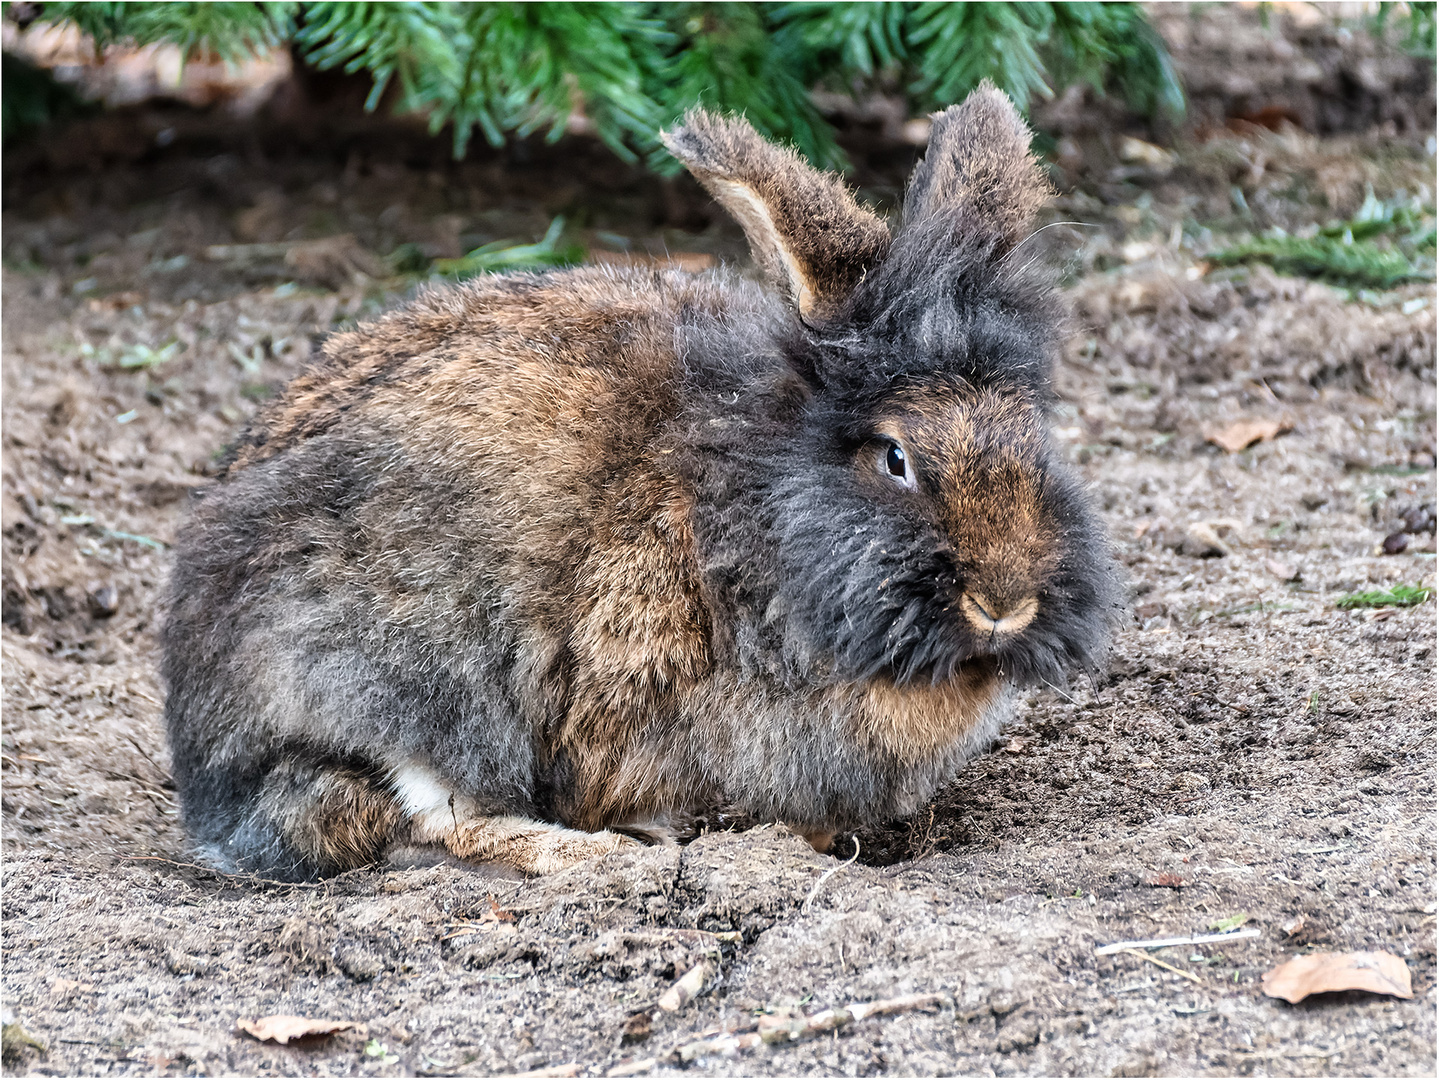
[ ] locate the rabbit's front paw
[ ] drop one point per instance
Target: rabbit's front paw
(531, 846)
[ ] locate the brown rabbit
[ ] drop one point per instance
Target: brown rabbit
(544, 563)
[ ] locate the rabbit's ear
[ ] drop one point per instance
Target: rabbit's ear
(813, 241)
(978, 163)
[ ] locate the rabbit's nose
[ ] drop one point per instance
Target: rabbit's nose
(990, 618)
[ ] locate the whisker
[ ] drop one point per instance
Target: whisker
(1052, 224)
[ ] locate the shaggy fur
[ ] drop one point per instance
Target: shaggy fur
(546, 562)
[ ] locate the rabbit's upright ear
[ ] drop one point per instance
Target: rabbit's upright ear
(813, 241)
(978, 166)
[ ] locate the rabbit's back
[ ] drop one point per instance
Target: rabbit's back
(456, 524)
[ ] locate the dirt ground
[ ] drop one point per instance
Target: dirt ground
(1255, 755)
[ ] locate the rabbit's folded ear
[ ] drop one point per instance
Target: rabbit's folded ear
(978, 165)
(811, 238)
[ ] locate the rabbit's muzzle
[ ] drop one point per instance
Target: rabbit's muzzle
(998, 619)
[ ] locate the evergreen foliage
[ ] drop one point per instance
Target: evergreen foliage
(632, 68)
(1384, 245)
(1419, 35)
(1394, 596)
(30, 98)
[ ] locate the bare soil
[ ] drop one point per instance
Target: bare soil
(1255, 754)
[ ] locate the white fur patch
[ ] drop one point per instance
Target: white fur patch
(429, 801)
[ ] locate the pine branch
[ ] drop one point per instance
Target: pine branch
(514, 69)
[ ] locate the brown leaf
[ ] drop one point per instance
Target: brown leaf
(1376, 972)
(497, 913)
(1243, 433)
(284, 1029)
(637, 1028)
(1165, 881)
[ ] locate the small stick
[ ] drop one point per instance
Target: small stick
(1164, 943)
(1167, 967)
(827, 875)
(570, 1069)
(686, 988)
(248, 879)
(784, 1029)
(634, 1068)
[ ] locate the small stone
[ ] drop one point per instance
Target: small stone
(104, 601)
(1282, 570)
(1201, 541)
(1419, 519)
(1395, 543)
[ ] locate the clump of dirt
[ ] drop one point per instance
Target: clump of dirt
(1256, 756)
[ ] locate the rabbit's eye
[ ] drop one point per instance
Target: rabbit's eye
(894, 462)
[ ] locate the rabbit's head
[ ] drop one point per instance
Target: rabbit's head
(877, 494)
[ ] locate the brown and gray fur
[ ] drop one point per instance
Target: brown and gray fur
(543, 563)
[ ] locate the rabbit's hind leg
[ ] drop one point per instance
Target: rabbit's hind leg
(439, 815)
(297, 821)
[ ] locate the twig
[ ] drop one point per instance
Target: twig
(634, 1068)
(1306, 1052)
(1167, 967)
(827, 875)
(570, 1069)
(1164, 943)
(164, 773)
(686, 988)
(248, 879)
(783, 1029)
(1058, 691)
(731, 937)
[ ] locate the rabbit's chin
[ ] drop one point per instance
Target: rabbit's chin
(1045, 654)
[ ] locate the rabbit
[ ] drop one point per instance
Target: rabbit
(543, 567)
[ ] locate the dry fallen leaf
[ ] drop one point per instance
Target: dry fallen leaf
(1165, 881)
(637, 1028)
(1376, 972)
(1243, 433)
(284, 1029)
